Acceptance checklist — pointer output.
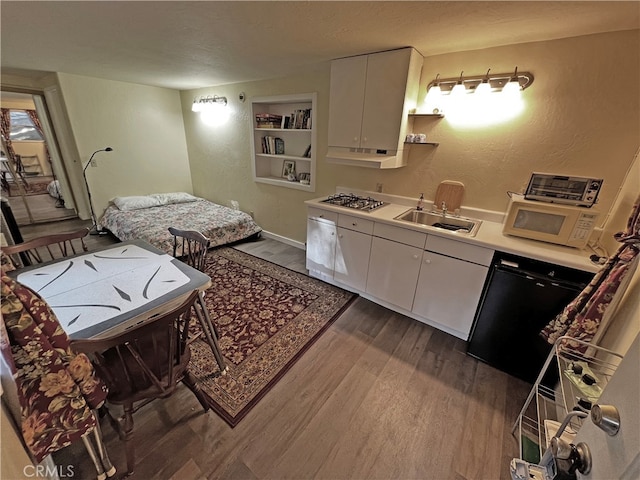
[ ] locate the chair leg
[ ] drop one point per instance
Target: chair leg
(209, 331)
(112, 421)
(193, 385)
(203, 302)
(128, 437)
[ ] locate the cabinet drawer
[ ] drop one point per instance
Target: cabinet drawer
(357, 224)
(322, 215)
(401, 235)
(464, 251)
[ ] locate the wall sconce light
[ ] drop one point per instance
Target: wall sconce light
(496, 82)
(212, 108)
(204, 103)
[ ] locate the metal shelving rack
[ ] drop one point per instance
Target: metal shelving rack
(556, 393)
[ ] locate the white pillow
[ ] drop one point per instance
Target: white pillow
(135, 202)
(173, 197)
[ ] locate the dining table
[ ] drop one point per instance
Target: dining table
(106, 291)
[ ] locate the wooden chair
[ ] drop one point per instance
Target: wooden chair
(144, 363)
(48, 247)
(192, 247)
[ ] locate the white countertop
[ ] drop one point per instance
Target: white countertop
(489, 234)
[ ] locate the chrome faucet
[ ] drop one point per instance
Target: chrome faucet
(444, 209)
(420, 202)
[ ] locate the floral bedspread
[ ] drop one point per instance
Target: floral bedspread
(220, 224)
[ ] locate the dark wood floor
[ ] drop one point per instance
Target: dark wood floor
(43, 208)
(378, 396)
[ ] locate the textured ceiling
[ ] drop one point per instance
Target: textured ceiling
(186, 45)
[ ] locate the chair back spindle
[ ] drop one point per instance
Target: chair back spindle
(48, 247)
(191, 246)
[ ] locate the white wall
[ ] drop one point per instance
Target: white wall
(576, 122)
(220, 157)
(144, 127)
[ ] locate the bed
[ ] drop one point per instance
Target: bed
(149, 217)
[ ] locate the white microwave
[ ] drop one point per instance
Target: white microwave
(567, 225)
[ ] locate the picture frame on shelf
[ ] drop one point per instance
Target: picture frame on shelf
(304, 178)
(288, 168)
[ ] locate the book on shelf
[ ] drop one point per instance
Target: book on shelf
(279, 144)
(268, 117)
(272, 145)
(299, 119)
(268, 120)
(307, 152)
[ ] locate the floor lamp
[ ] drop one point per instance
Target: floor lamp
(95, 229)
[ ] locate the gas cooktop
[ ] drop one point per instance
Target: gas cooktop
(356, 202)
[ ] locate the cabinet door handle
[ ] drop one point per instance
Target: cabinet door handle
(364, 140)
(355, 139)
(355, 224)
(427, 261)
(320, 216)
(341, 236)
(415, 256)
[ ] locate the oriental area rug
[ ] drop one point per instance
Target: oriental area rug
(267, 316)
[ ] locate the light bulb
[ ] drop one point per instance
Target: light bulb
(512, 87)
(215, 114)
(458, 90)
(483, 89)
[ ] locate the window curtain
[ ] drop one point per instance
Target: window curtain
(5, 127)
(57, 389)
(33, 115)
(581, 319)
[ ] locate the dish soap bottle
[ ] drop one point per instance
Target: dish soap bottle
(420, 202)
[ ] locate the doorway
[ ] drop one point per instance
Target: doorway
(30, 175)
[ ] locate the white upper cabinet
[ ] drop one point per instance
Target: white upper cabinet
(346, 101)
(370, 100)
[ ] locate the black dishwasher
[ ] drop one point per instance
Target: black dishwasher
(520, 297)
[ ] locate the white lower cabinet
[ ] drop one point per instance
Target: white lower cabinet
(353, 247)
(438, 280)
(448, 291)
(394, 266)
(450, 284)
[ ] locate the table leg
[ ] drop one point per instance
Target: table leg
(210, 331)
(109, 469)
(94, 458)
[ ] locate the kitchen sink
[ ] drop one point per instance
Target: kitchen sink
(462, 225)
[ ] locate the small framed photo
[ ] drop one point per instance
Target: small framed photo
(288, 168)
(304, 178)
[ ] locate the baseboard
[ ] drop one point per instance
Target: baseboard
(280, 238)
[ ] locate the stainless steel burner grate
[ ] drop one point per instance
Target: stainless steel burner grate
(356, 202)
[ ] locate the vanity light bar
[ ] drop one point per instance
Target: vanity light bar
(204, 102)
(496, 81)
